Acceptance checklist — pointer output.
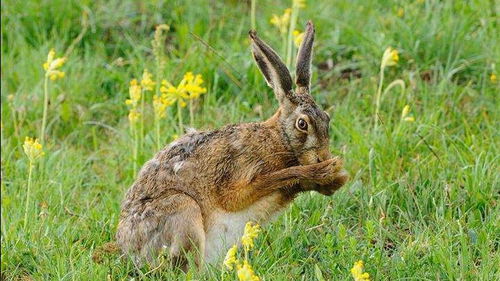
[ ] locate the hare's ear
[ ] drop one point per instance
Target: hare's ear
(274, 70)
(304, 57)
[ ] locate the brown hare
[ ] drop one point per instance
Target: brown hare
(196, 195)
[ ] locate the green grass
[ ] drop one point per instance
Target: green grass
(423, 201)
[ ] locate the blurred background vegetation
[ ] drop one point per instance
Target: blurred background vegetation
(423, 199)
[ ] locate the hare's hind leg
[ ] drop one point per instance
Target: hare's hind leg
(173, 224)
(185, 227)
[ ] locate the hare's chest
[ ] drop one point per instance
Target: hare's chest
(226, 228)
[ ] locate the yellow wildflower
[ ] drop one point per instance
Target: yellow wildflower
(158, 45)
(493, 78)
(251, 232)
(193, 85)
(298, 37)
(174, 94)
(404, 114)
(390, 57)
(33, 149)
(357, 272)
(147, 83)
(134, 92)
(405, 111)
(134, 115)
(246, 273)
(230, 258)
(188, 88)
(401, 12)
(10, 97)
(281, 22)
(160, 104)
(52, 64)
(299, 3)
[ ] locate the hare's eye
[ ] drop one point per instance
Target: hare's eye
(302, 124)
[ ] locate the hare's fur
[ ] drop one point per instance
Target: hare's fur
(197, 194)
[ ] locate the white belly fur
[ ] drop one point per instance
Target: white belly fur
(227, 228)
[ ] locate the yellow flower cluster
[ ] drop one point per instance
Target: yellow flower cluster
(147, 83)
(404, 114)
(251, 232)
(52, 64)
(357, 272)
(390, 57)
(281, 22)
(160, 104)
(33, 149)
(299, 3)
(231, 259)
(188, 88)
(135, 93)
(298, 37)
(493, 78)
(244, 270)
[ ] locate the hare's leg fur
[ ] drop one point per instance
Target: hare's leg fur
(321, 172)
(174, 224)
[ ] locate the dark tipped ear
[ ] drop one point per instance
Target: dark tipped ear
(304, 58)
(274, 70)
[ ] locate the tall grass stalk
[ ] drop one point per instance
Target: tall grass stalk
(289, 42)
(45, 108)
(28, 192)
(252, 14)
(179, 117)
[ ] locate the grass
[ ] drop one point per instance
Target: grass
(423, 201)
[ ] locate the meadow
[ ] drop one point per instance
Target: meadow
(423, 199)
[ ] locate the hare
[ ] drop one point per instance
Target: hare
(195, 196)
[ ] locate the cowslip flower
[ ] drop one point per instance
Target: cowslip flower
(246, 273)
(299, 3)
(281, 22)
(33, 149)
(298, 37)
(160, 104)
(401, 12)
(357, 272)
(230, 258)
(390, 57)
(174, 94)
(133, 115)
(52, 64)
(251, 232)
(146, 82)
(193, 85)
(493, 78)
(404, 114)
(135, 93)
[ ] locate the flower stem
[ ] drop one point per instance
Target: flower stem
(28, 194)
(45, 108)
(142, 120)
(252, 13)
(157, 125)
(136, 144)
(293, 21)
(191, 113)
(377, 97)
(179, 117)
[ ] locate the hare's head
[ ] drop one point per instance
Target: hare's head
(304, 125)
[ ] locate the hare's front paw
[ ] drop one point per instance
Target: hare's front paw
(338, 180)
(331, 176)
